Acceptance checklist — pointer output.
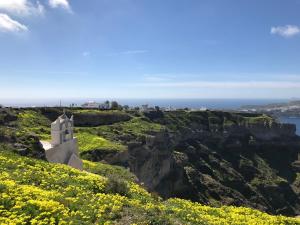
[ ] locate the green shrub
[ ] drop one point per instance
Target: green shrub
(117, 185)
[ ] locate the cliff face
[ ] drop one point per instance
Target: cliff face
(219, 158)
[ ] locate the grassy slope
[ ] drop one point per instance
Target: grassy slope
(37, 192)
(137, 127)
(105, 137)
(88, 141)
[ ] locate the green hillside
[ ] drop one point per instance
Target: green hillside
(37, 192)
(33, 191)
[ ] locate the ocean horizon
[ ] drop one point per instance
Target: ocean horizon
(229, 104)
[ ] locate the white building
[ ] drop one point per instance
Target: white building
(63, 147)
(91, 104)
(96, 105)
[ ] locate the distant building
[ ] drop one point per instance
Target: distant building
(63, 147)
(96, 105)
(91, 104)
(199, 109)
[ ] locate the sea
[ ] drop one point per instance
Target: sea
(292, 120)
(174, 103)
(220, 104)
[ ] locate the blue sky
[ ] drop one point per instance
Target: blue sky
(149, 49)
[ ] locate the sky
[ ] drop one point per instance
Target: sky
(149, 49)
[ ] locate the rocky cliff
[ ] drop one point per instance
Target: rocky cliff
(219, 158)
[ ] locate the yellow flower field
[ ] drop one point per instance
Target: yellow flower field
(37, 192)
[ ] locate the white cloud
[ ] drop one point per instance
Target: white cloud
(7, 24)
(286, 31)
(60, 3)
(225, 84)
(21, 7)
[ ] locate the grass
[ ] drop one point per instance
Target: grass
(34, 122)
(111, 137)
(140, 126)
(137, 127)
(107, 170)
(88, 142)
(263, 119)
(228, 122)
(37, 192)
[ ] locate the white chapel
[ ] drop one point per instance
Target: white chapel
(63, 147)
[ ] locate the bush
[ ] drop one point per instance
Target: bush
(117, 185)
